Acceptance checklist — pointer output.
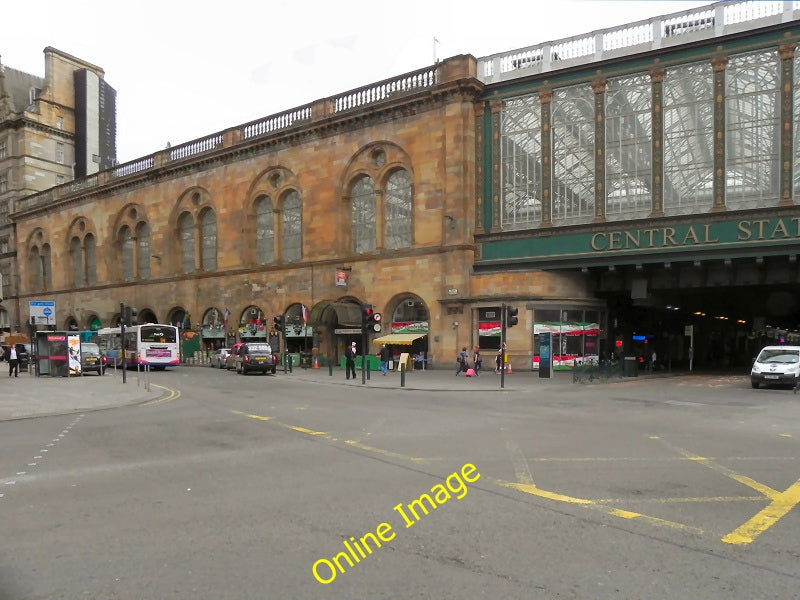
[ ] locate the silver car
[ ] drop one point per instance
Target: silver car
(219, 358)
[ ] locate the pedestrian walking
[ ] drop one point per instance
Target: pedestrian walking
(13, 361)
(498, 362)
(463, 361)
(350, 361)
(477, 361)
(385, 355)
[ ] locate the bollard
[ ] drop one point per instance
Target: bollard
(402, 375)
(291, 366)
(368, 371)
(330, 368)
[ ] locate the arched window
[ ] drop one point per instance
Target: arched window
(76, 262)
(208, 233)
(90, 254)
(265, 231)
(127, 247)
(47, 278)
(398, 210)
(186, 233)
(35, 269)
(292, 228)
(363, 214)
(143, 256)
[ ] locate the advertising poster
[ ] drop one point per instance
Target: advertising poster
(74, 345)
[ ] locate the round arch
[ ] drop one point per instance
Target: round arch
(253, 324)
(408, 313)
(71, 324)
(93, 322)
(213, 328)
(146, 315)
(179, 317)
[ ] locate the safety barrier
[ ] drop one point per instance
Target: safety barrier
(597, 372)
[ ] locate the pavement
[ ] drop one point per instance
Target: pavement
(29, 396)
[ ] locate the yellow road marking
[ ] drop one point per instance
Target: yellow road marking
(535, 491)
(521, 469)
(781, 504)
(172, 395)
(361, 446)
(730, 473)
(326, 436)
(249, 416)
(303, 429)
(683, 500)
(593, 504)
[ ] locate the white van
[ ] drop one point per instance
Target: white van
(776, 365)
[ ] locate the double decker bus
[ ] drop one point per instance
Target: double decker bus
(153, 345)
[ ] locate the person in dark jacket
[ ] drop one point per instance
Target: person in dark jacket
(385, 356)
(463, 361)
(350, 361)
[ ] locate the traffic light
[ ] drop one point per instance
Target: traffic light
(129, 315)
(278, 323)
(369, 318)
(511, 316)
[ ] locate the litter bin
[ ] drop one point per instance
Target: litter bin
(630, 367)
(305, 360)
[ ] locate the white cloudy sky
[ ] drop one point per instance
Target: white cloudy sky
(184, 69)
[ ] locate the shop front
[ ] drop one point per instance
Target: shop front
(212, 331)
(575, 334)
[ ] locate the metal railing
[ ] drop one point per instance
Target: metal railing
(707, 22)
(597, 372)
(382, 91)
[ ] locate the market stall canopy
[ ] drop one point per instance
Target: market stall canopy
(399, 339)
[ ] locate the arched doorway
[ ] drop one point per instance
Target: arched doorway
(335, 324)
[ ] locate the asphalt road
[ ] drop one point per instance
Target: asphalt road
(248, 488)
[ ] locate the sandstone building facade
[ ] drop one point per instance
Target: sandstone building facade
(618, 187)
(52, 129)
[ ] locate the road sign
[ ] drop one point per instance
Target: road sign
(42, 312)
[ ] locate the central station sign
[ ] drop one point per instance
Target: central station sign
(768, 235)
